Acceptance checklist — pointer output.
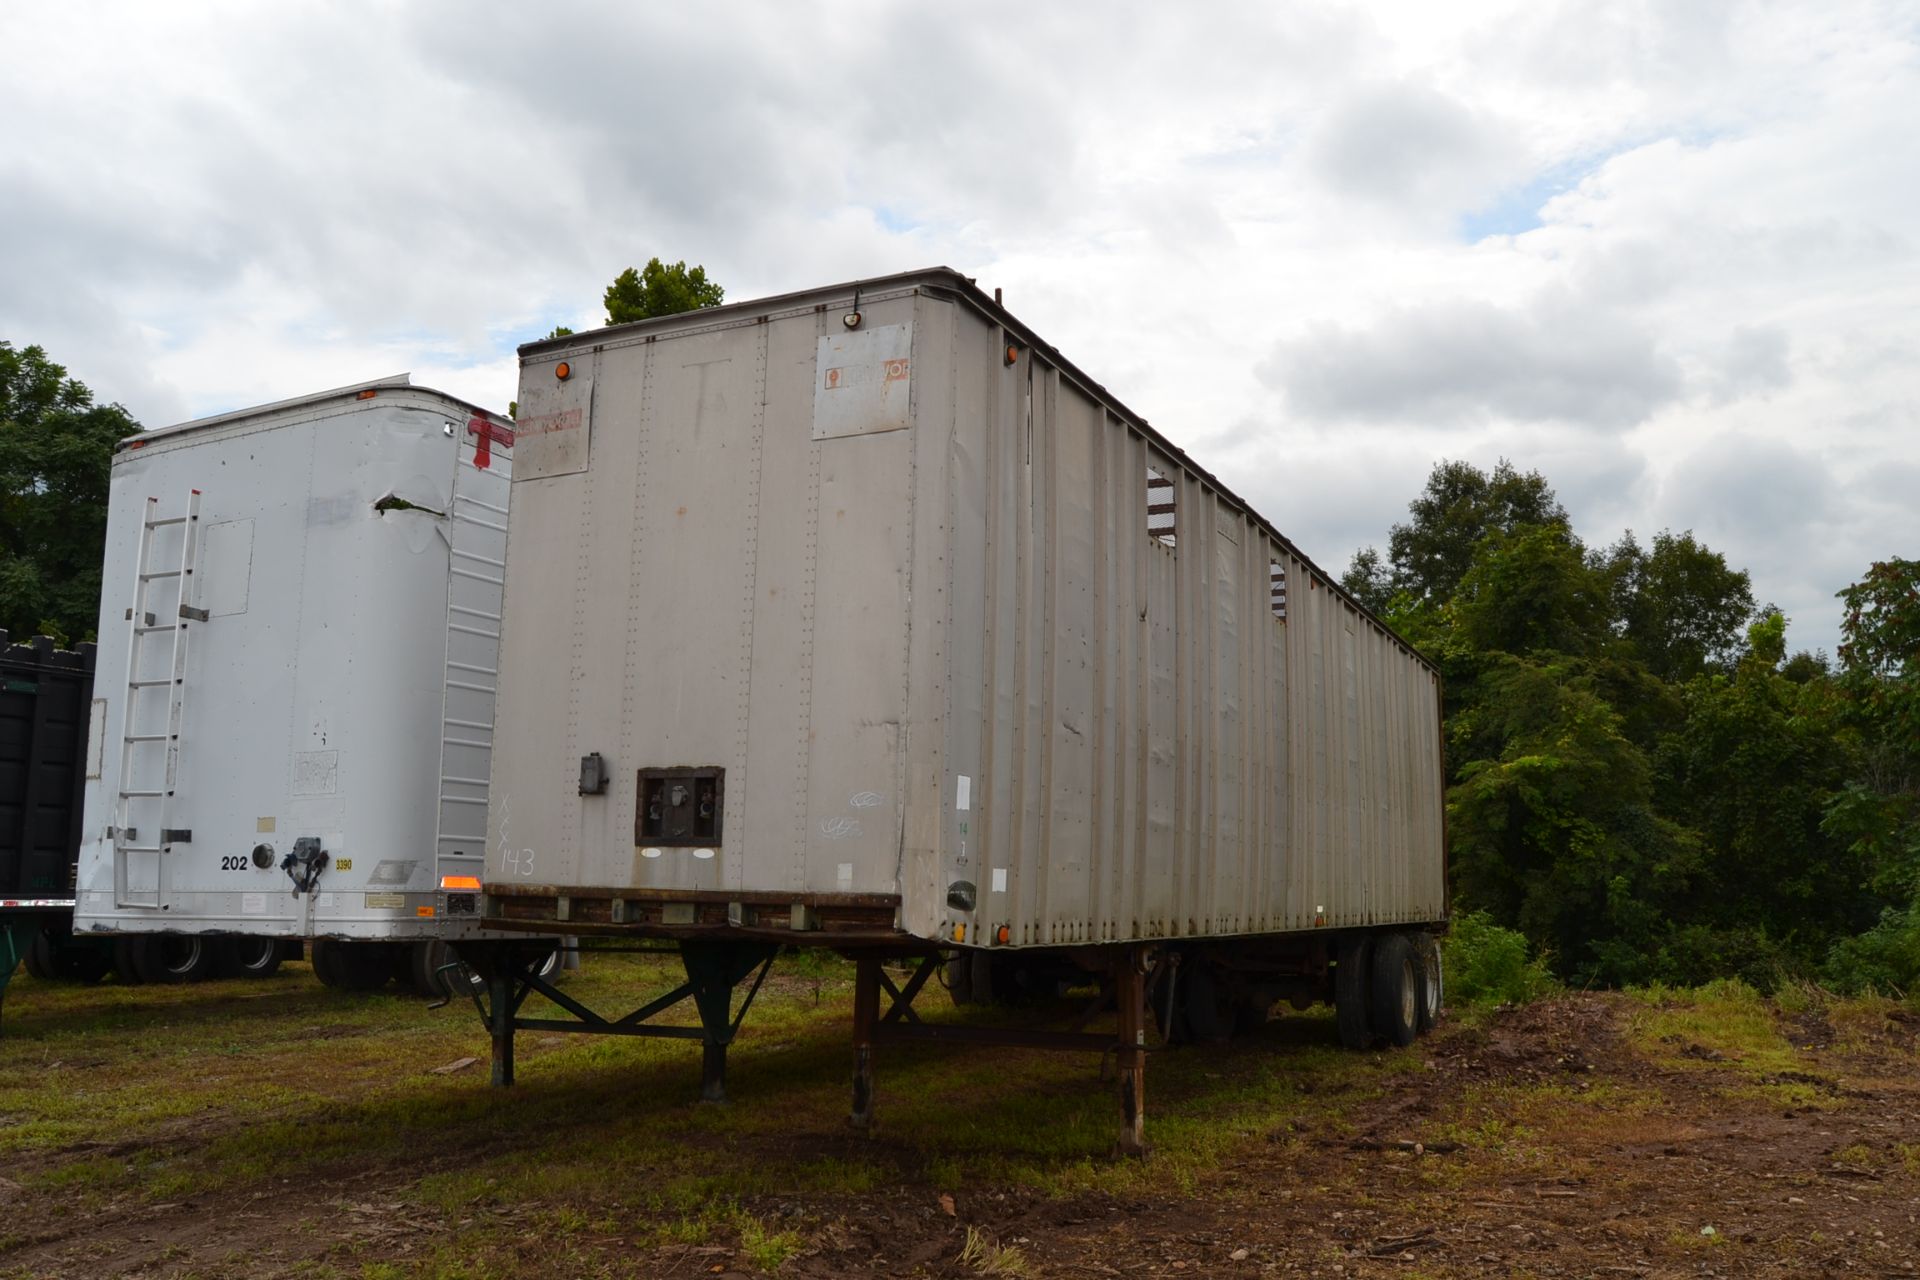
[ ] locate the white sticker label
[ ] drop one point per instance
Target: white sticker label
(845, 875)
(96, 737)
(963, 793)
(999, 879)
(253, 904)
(326, 900)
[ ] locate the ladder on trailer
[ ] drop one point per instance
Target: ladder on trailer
(144, 811)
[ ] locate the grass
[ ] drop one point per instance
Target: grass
(164, 1094)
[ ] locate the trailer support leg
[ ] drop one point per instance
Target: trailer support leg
(16, 939)
(714, 969)
(1129, 993)
(500, 1005)
(866, 1012)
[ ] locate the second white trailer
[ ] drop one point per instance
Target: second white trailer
(292, 724)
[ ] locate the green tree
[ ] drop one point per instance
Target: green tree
(56, 454)
(660, 290)
(1755, 768)
(1678, 603)
(1879, 813)
(1532, 590)
(1461, 504)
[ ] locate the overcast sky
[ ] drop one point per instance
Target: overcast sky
(1665, 253)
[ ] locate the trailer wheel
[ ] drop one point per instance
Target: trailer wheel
(1394, 1009)
(426, 960)
(958, 975)
(1204, 1009)
(249, 957)
(1350, 992)
(82, 960)
(174, 957)
(1433, 988)
(126, 961)
(39, 960)
(352, 966)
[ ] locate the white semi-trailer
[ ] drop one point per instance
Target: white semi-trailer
(293, 711)
(861, 618)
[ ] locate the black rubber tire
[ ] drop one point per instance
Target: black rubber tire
(551, 966)
(173, 958)
(1394, 1007)
(425, 961)
(39, 960)
(959, 977)
(353, 966)
(1350, 992)
(1203, 1007)
(126, 961)
(1433, 985)
(250, 957)
(85, 960)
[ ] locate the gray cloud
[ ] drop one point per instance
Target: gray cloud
(1754, 362)
(1756, 491)
(1409, 148)
(1463, 362)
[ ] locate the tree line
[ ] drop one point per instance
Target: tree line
(1640, 778)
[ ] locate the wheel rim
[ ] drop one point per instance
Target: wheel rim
(182, 955)
(257, 953)
(1409, 993)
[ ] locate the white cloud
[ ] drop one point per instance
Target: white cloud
(1691, 284)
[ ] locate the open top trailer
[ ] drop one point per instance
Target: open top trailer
(861, 618)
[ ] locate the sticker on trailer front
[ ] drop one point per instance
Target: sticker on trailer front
(552, 433)
(863, 381)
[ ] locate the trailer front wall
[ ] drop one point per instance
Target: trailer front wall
(714, 587)
(1136, 745)
(316, 691)
(940, 652)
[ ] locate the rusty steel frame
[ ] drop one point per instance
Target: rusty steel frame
(716, 968)
(1124, 990)
(713, 971)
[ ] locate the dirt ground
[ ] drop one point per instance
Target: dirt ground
(1659, 1135)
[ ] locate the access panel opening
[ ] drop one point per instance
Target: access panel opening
(680, 806)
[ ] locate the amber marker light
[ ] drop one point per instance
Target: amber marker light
(960, 932)
(563, 371)
(368, 394)
(1013, 354)
(460, 882)
(1002, 936)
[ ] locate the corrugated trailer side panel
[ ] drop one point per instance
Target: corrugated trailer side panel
(1154, 752)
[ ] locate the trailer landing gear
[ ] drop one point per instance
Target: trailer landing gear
(510, 972)
(1123, 990)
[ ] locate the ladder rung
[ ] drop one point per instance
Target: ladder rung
(136, 795)
(146, 737)
(146, 684)
(163, 573)
(171, 626)
(161, 524)
(141, 848)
